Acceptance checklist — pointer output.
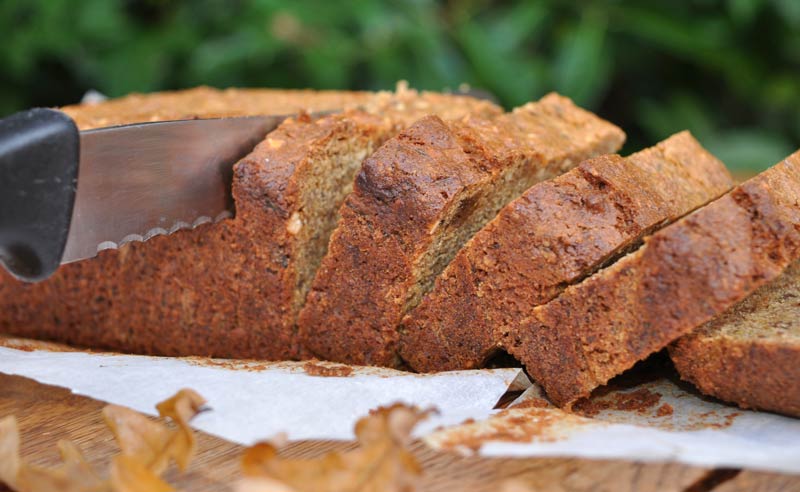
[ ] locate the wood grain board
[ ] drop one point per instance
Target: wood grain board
(48, 413)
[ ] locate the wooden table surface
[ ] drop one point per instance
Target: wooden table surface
(48, 413)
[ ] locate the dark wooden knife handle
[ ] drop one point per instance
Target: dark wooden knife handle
(39, 155)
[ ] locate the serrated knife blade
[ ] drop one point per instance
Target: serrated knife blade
(137, 181)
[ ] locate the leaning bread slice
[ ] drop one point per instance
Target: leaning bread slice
(416, 201)
(683, 276)
(226, 289)
(556, 233)
(750, 354)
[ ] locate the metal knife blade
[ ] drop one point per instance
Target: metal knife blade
(137, 181)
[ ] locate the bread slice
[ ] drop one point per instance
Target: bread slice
(225, 289)
(416, 201)
(556, 233)
(683, 276)
(749, 355)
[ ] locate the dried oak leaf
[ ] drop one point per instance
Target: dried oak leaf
(182, 408)
(381, 463)
(73, 475)
(153, 443)
(128, 474)
(139, 437)
(10, 461)
(147, 448)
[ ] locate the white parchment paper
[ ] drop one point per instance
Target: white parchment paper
(697, 431)
(256, 401)
(253, 401)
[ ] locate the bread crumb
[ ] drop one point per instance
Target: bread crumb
(664, 410)
(295, 224)
(327, 370)
(639, 401)
(533, 403)
(275, 143)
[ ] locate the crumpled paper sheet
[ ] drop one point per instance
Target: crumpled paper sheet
(252, 401)
(676, 424)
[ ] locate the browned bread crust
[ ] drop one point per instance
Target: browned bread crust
(207, 102)
(556, 233)
(408, 105)
(750, 354)
(416, 200)
(683, 276)
(221, 289)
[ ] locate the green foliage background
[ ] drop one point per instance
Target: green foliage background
(725, 69)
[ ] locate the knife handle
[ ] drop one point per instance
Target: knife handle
(39, 155)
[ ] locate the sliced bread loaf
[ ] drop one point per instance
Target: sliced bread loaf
(556, 233)
(750, 355)
(227, 289)
(683, 276)
(416, 201)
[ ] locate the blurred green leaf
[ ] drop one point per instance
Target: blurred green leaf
(515, 75)
(680, 112)
(582, 64)
(789, 9)
(749, 148)
(689, 36)
(744, 11)
(725, 69)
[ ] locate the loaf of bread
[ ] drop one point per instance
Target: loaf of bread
(227, 289)
(750, 355)
(683, 276)
(360, 237)
(416, 201)
(555, 234)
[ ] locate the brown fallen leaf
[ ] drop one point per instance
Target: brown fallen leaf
(513, 485)
(182, 408)
(130, 475)
(139, 437)
(75, 464)
(147, 447)
(73, 475)
(10, 461)
(153, 443)
(382, 462)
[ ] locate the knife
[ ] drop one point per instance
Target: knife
(67, 194)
